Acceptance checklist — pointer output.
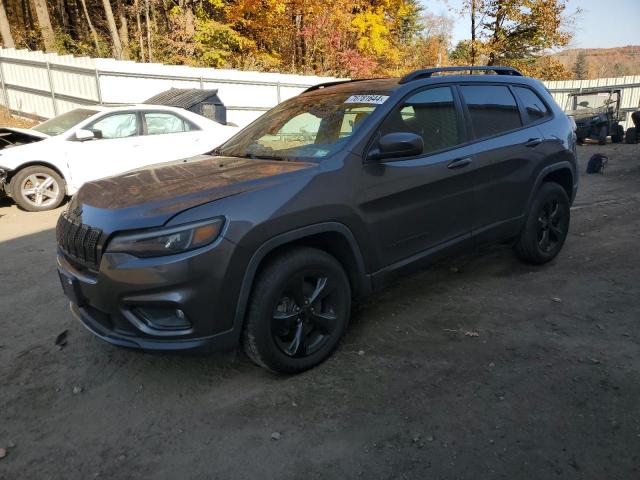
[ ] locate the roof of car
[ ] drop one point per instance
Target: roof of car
(365, 85)
(129, 106)
(453, 74)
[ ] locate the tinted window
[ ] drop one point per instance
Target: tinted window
(429, 113)
(161, 122)
(492, 108)
(532, 103)
(120, 125)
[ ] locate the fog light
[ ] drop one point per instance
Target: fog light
(163, 318)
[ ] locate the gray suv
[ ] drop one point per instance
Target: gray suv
(325, 198)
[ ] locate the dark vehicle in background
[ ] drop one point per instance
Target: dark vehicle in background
(324, 199)
(631, 136)
(597, 115)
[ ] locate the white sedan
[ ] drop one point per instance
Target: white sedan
(40, 165)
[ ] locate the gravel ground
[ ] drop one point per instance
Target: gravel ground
(480, 367)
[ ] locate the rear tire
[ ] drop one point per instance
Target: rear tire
(546, 226)
(37, 188)
(631, 136)
(602, 136)
(618, 133)
(298, 311)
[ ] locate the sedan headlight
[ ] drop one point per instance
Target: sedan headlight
(167, 241)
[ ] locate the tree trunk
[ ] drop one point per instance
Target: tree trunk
(136, 6)
(94, 34)
(5, 29)
(473, 32)
(497, 33)
(62, 14)
(113, 29)
(148, 22)
(28, 16)
(123, 31)
(44, 22)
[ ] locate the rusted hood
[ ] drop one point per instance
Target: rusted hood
(159, 191)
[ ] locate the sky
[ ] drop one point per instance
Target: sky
(602, 23)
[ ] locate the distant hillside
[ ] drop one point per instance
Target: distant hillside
(604, 62)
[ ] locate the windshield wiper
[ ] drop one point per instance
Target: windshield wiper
(253, 156)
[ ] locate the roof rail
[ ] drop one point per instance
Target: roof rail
(428, 72)
(337, 82)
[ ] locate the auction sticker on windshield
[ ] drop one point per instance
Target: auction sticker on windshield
(370, 99)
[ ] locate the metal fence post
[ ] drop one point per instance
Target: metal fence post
(201, 83)
(278, 92)
(98, 88)
(53, 92)
(4, 87)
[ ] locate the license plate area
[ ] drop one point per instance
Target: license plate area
(71, 288)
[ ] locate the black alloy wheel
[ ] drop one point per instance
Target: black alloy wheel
(546, 226)
(298, 310)
(305, 315)
(551, 228)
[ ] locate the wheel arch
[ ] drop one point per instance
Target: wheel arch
(332, 237)
(36, 163)
(563, 177)
(561, 173)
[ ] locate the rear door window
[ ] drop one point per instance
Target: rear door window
(159, 123)
(533, 105)
(492, 109)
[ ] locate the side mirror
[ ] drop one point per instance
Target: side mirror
(84, 135)
(398, 145)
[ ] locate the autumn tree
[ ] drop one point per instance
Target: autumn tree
(517, 33)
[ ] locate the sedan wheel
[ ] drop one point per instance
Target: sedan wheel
(40, 190)
(37, 188)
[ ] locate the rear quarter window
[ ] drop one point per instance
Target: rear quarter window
(533, 105)
(492, 108)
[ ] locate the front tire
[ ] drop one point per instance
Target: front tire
(546, 227)
(298, 311)
(37, 189)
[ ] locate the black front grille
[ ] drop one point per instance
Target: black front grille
(79, 242)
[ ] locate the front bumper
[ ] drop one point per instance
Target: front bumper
(125, 300)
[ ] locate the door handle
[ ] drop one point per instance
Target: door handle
(533, 142)
(460, 163)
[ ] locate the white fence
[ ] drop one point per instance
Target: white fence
(46, 84)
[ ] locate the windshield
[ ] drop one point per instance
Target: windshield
(307, 128)
(592, 101)
(64, 122)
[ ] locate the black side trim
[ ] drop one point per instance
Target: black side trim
(279, 240)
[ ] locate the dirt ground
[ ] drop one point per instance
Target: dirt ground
(480, 367)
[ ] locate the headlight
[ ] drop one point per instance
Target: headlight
(167, 241)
